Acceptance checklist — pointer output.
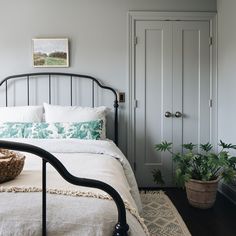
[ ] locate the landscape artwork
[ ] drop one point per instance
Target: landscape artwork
(50, 52)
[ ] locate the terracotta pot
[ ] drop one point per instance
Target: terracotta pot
(201, 194)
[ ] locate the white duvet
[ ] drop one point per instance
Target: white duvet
(94, 159)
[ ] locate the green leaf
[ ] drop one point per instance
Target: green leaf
(177, 157)
(189, 146)
(232, 162)
(164, 146)
(206, 147)
(157, 177)
(228, 175)
(227, 146)
(223, 156)
(181, 177)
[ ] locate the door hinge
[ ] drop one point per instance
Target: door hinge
(135, 103)
(210, 103)
(135, 40)
(211, 41)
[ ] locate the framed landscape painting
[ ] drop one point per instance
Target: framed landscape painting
(49, 52)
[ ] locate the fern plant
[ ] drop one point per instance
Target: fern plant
(204, 165)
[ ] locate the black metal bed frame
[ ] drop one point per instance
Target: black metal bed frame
(121, 228)
(71, 76)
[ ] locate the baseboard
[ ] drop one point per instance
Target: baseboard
(157, 188)
(228, 191)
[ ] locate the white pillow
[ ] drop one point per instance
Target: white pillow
(55, 113)
(21, 114)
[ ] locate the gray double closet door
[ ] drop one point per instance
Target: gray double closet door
(172, 92)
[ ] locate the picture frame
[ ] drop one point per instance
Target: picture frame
(50, 52)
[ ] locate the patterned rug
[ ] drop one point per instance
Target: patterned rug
(161, 216)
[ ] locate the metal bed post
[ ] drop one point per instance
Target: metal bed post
(44, 198)
(6, 94)
(116, 105)
(92, 93)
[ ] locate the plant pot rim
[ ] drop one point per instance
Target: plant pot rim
(204, 181)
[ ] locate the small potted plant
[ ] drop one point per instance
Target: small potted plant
(200, 171)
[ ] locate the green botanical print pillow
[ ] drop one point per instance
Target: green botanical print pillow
(40, 130)
(11, 130)
(64, 130)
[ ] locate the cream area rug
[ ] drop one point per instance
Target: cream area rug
(161, 216)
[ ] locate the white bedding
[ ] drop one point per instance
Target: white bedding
(96, 159)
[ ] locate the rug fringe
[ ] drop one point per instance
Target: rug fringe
(157, 192)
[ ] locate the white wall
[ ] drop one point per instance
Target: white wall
(227, 70)
(227, 79)
(97, 30)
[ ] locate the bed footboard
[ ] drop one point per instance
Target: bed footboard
(121, 228)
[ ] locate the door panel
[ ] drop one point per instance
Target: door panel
(191, 82)
(153, 88)
(151, 92)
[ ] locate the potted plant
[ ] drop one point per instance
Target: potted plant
(200, 171)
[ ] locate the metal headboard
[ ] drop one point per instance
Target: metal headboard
(72, 76)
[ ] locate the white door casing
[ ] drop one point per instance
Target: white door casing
(170, 71)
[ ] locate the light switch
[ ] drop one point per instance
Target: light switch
(121, 97)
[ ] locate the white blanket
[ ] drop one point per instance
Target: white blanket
(100, 160)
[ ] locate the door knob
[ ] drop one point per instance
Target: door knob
(178, 114)
(168, 114)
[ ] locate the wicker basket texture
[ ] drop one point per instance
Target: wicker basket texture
(201, 194)
(11, 164)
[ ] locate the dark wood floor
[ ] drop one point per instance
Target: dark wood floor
(217, 221)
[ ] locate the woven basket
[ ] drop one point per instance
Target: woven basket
(11, 164)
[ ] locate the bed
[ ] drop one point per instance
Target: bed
(75, 181)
